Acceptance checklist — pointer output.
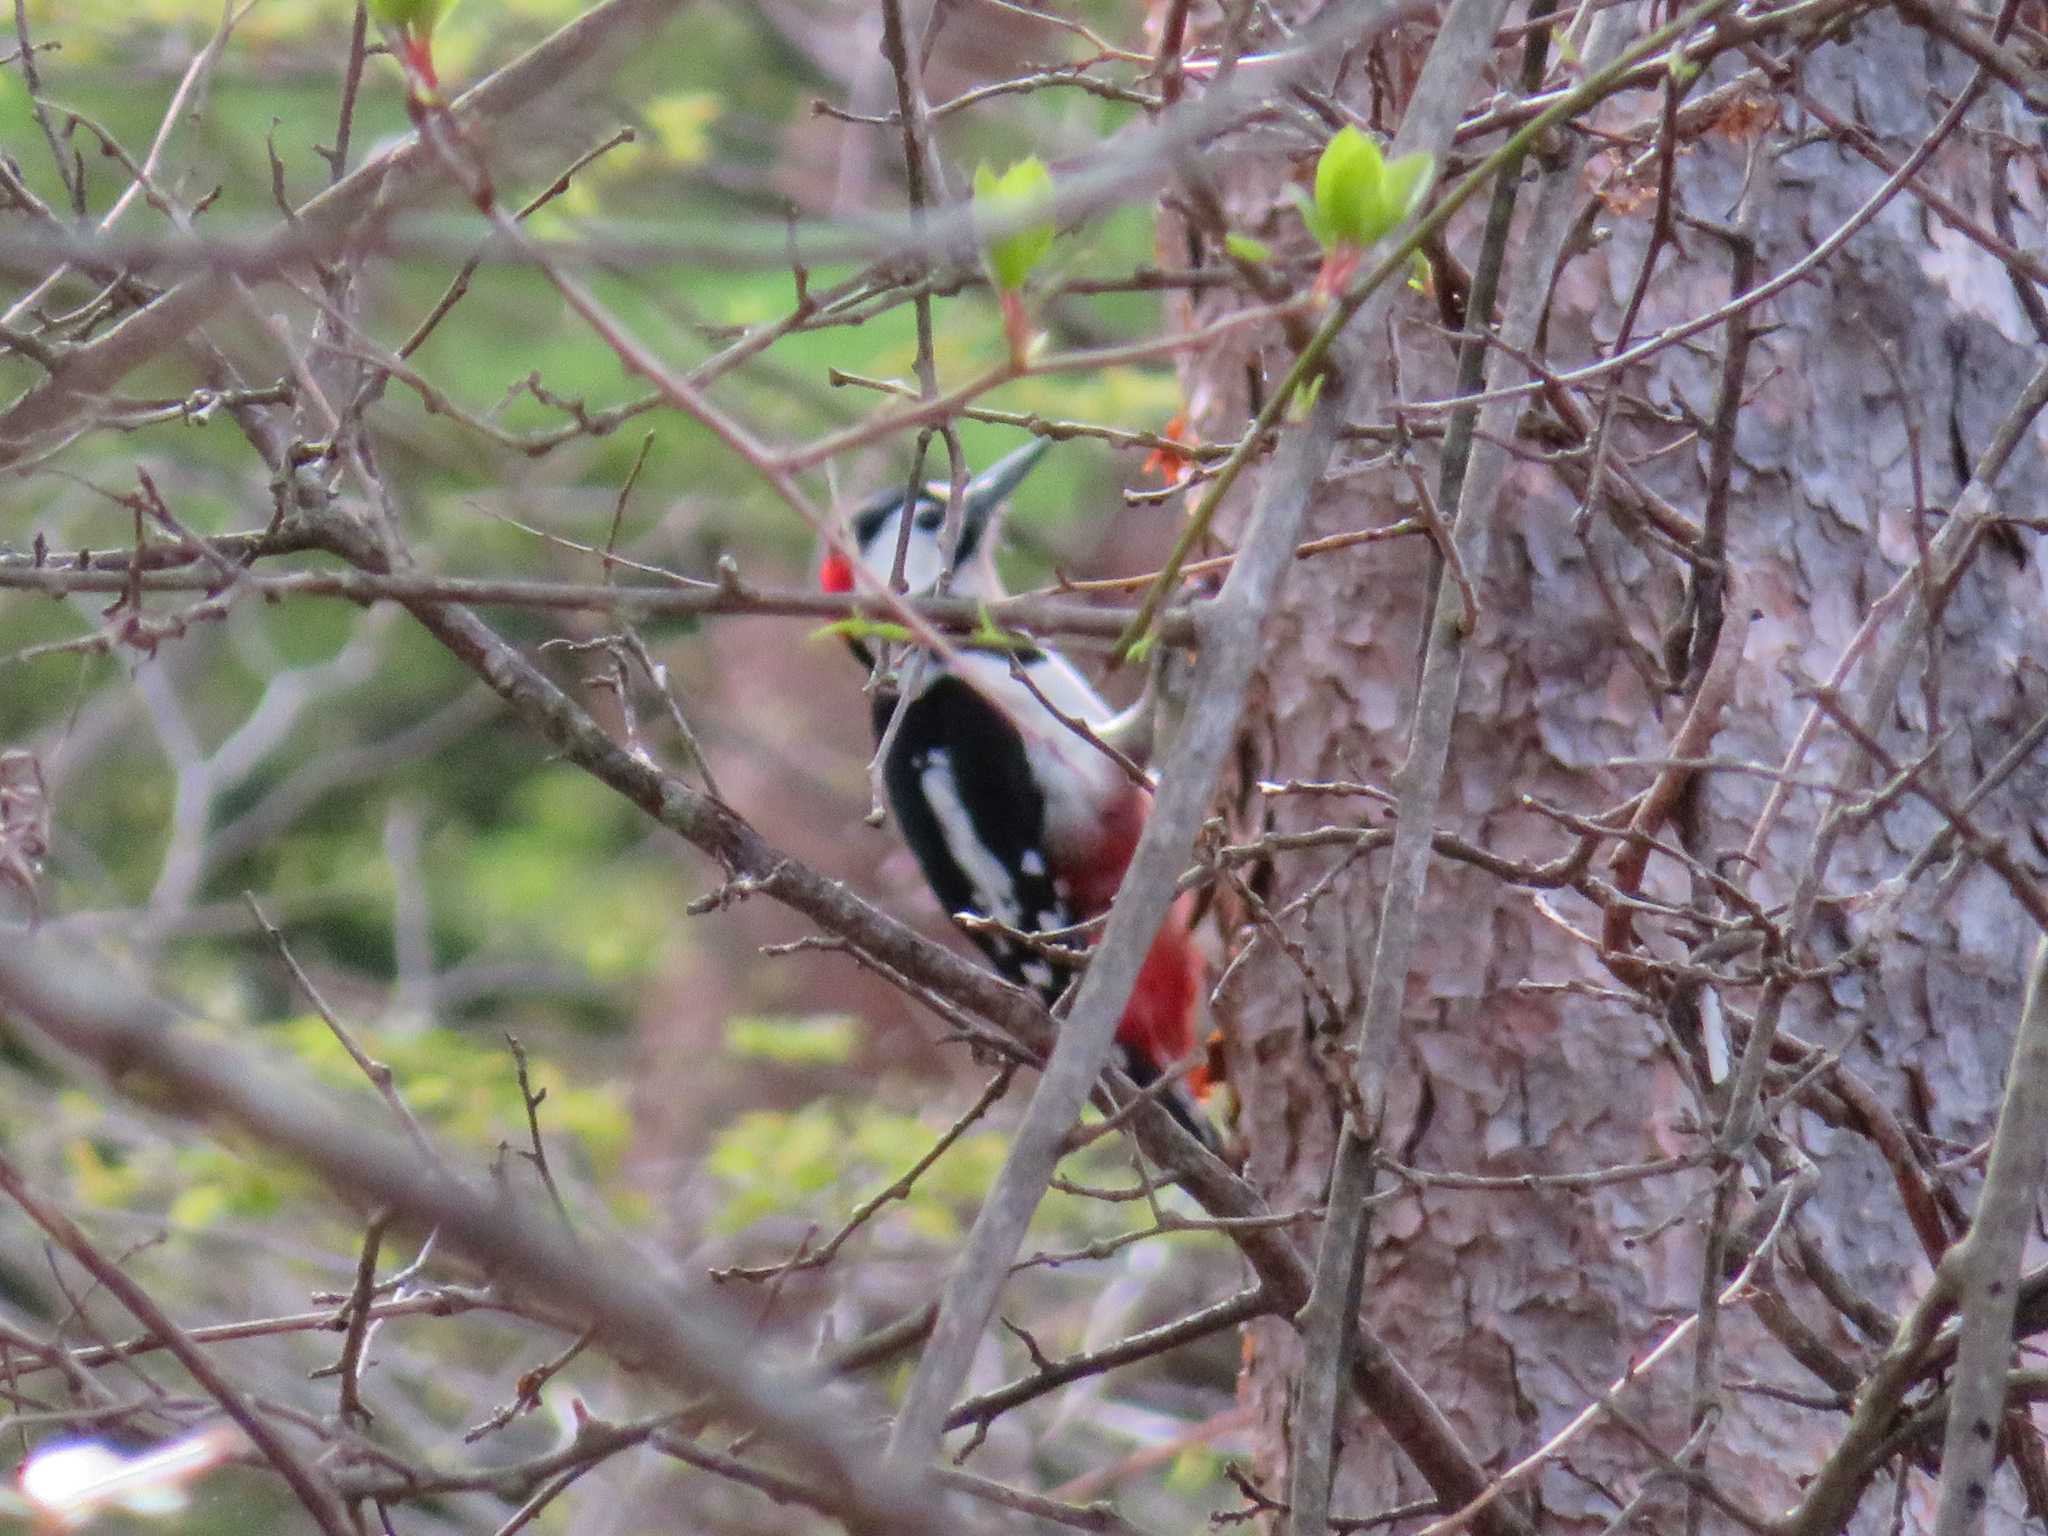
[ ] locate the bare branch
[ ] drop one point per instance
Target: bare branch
(1985, 1266)
(307, 1486)
(688, 1342)
(1329, 1319)
(507, 97)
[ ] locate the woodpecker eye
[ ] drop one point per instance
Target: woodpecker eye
(929, 520)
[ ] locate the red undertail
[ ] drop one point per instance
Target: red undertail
(1159, 1020)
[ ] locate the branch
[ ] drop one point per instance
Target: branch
(1949, 553)
(379, 1073)
(337, 214)
(1985, 1267)
(689, 1341)
(111, 573)
(1329, 1318)
(755, 866)
(2009, 67)
(352, 1410)
(1229, 628)
(1313, 359)
(900, 1190)
(1798, 272)
(1228, 1313)
(309, 1489)
(1600, 1407)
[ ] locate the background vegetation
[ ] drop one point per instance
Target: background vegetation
(466, 1065)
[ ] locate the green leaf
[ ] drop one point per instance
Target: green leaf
(1020, 201)
(1245, 248)
(991, 636)
(199, 1206)
(1312, 216)
(1347, 177)
(1193, 1470)
(1402, 186)
(419, 15)
(862, 629)
(682, 123)
(1360, 196)
(102, 1173)
(1305, 399)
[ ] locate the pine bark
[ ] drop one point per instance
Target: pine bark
(1893, 365)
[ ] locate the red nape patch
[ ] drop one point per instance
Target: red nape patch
(835, 572)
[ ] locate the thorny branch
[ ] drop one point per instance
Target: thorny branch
(1748, 953)
(1340, 1265)
(135, 1039)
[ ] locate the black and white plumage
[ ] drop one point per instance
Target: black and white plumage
(1011, 813)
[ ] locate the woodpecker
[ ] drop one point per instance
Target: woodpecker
(1011, 813)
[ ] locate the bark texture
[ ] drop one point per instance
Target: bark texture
(1520, 1052)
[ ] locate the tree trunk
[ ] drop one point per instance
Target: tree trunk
(1874, 385)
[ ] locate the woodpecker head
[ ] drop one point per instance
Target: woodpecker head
(878, 524)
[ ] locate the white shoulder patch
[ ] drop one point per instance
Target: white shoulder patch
(1076, 777)
(1053, 676)
(993, 887)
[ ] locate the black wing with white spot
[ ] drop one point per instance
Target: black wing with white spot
(965, 799)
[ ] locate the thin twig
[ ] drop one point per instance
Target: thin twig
(308, 1486)
(1986, 1265)
(536, 1152)
(901, 1189)
(692, 1343)
(381, 1077)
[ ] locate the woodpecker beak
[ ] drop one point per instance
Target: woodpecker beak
(1131, 731)
(991, 488)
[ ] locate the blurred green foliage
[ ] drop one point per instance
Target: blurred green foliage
(817, 1161)
(823, 1040)
(462, 1087)
(507, 836)
(1001, 196)
(551, 900)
